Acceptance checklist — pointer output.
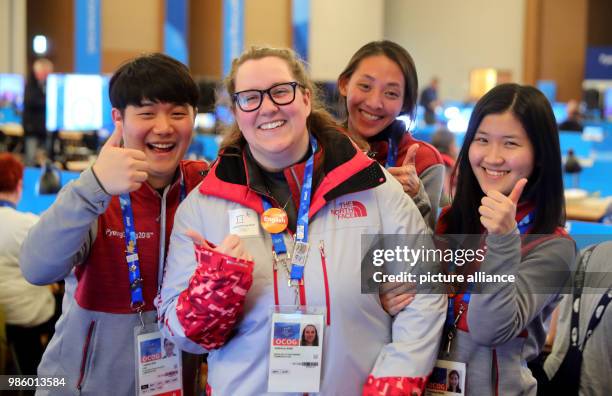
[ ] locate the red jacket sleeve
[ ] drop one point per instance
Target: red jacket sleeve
(212, 303)
(394, 386)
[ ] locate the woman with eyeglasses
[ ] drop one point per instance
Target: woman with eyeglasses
(288, 180)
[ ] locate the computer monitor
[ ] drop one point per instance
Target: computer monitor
(458, 123)
(78, 102)
(224, 115)
(549, 89)
(560, 111)
(607, 104)
(11, 98)
(205, 122)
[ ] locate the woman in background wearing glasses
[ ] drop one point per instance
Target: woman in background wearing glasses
(281, 132)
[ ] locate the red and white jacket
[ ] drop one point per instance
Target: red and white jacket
(504, 326)
(80, 239)
(364, 349)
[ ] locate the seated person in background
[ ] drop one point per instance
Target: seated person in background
(29, 309)
(444, 141)
(574, 118)
(583, 367)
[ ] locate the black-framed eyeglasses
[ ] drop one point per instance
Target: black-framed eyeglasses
(280, 94)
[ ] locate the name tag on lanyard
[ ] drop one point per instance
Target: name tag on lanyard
(447, 378)
(158, 363)
(296, 346)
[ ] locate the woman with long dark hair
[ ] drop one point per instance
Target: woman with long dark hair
(378, 84)
(510, 197)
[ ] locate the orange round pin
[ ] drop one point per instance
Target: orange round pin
(274, 220)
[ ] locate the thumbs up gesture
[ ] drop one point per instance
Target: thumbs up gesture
(406, 173)
(498, 212)
(120, 170)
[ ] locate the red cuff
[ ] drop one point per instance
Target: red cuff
(212, 303)
(394, 386)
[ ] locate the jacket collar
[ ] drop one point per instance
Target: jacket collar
(338, 171)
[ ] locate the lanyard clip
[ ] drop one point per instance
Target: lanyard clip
(141, 320)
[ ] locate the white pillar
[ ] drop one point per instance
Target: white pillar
(13, 44)
(338, 28)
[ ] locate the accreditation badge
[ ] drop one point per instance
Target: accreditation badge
(243, 222)
(296, 346)
(158, 363)
(447, 378)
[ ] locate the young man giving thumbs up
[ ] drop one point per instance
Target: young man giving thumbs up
(107, 233)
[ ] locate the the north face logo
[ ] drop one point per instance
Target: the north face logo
(349, 210)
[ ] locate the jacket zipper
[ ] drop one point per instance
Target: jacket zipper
(324, 267)
(85, 355)
(295, 178)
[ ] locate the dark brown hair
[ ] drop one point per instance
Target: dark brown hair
(397, 54)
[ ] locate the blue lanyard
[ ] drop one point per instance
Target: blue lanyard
(450, 314)
(391, 153)
(525, 223)
(523, 226)
(297, 271)
(131, 248)
(9, 204)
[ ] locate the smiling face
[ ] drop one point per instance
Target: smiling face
(453, 380)
(276, 135)
(168, 347)
(310, 333)
(374, 95)
(162, 131)
(501, 153)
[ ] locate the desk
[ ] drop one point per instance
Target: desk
(13, 130)
(585, 233)
(596, 177)
(588, 209)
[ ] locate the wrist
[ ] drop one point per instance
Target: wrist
(93, 172)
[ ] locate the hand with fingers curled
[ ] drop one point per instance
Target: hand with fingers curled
(212, 303)
(118, 169)
(498, 211)
(396, 296)
(406, 174)
(231, 246)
